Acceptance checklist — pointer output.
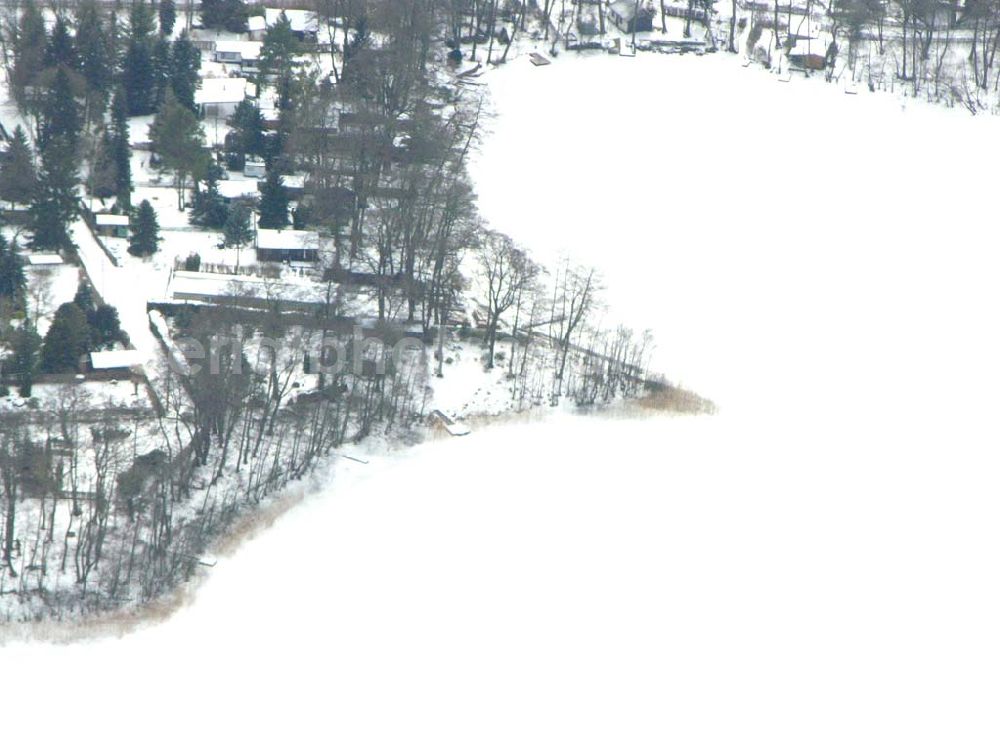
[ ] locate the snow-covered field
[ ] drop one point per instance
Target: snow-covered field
(814, 566)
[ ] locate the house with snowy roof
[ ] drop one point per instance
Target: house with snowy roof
(111, 225)
(287, 245)
(218, 97)
(244, 54)
(809, 53)
(631, 16)
(256, 28)
(304, 23)
(117, 365)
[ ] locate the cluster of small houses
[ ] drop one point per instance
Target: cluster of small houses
(271, 245)
(629, 16)
(802, 38)
(217, 97)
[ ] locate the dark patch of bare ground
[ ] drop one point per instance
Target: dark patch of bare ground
(659, 399)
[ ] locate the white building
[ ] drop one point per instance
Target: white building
(256, 27)
(254, 168)
(245, 290)
(115, 363)
(112, 225)
(237, 189)
(304, 23)
(44, 259)
(244, 54)
(218, 97)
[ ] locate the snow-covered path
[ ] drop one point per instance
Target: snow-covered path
(815, 566)
(127, 287)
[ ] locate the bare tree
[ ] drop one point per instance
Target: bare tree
(505, 271)
(574, 298)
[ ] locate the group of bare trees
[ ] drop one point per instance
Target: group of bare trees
(944, 50)
(61, 472)
(97, 513)
(557, 344)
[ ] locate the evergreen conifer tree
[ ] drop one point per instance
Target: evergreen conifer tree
(185, 61)
(168, 17)
(25, 358)
(61, 48)
(145, 239)
(238, 231)
(121, 150)
(31, 42)
(18, 179)
(67, 340)
(94, 51)
(12, 278)
(273, 202)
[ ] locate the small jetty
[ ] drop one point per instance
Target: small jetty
(454, 428)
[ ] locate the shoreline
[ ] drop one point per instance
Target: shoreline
(122, 622)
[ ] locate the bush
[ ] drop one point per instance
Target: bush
(193, 262)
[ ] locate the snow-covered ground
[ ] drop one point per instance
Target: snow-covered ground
(814, 566)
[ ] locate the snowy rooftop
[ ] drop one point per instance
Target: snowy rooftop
(221, 91)
(286, 239)
(625, 8)
(301, 20)
(806, 46)
(192, 285)
(115, 359)
(111, 219)
(294, 181)
(256, 23)
(247, 50)
(237, 188)
(44, 258)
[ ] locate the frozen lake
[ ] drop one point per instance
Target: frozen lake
(814, 566)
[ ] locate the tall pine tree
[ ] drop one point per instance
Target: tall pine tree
(141, 21)
(139, 78)
(25, 345)
(168, 17)
(230, 15)
(273, 202)
(55, 203)
(238, 229)
(18, 179)
(94, 49)
(279, 49)
(139, 67)
(247, 134)
(29, 49)
(67, 341)
(12, 278)
(59, 116)
(145, 238)
(185, 61)
(61, 49)
(162, 68)
(121, 150)
(208, 208)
